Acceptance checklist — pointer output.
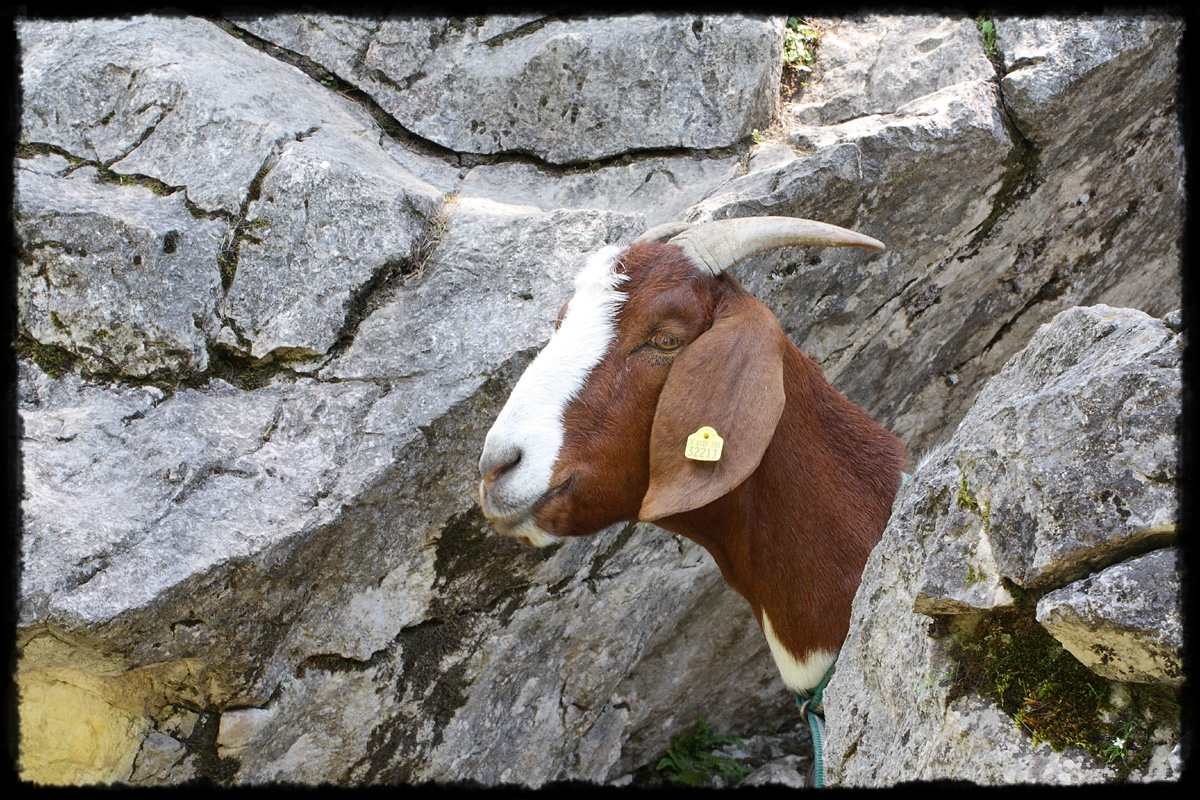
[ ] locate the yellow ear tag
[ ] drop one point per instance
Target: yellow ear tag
(704, 445)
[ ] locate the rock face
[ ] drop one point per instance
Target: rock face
(97, 258)
(1058, 480)
(1071, 462)
(322, 204)
(563, 89)
(1124, 622)
(877, 64)
(278, 275)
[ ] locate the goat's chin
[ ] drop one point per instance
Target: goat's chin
(521, 524)
(527, 532)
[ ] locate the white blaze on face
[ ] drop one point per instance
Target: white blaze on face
(531, 422)
(798, 675)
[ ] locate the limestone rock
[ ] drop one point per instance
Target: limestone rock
(978, 739)
(336, 42)
(660, 187)
(414, 710)
(394, 598)
(565, 89)
(1124, 622)
(1032, 226)
(888, 717)
(319, 209)
(265, 556)
(1067, 458)
(332, 217)
(1025, 490)
(172, 98)
(75, 727)
(517, 266)
(824, 185)
(1166, 763)
(778, 756)
(876, 64)
(122, 278)
(1057, 72)
(786, 771)
(87, 716)
(162, 761)
(174, 488)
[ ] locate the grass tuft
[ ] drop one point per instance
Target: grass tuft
(689, 761)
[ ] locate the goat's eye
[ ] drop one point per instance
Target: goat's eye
(664, 340)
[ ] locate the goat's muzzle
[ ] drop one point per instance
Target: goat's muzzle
(518, 523)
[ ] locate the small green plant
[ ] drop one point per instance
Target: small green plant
(938, 675)
(799, 44)
(756, 135)
(1120, 744)
(689, 761)
(975, 576)
(987, 29)
(966, 499)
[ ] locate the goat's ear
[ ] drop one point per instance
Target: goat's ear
(731, 379)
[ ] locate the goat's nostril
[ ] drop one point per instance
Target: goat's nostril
(506, 466)
(493, 469)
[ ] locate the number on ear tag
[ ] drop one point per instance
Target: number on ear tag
(704, 445)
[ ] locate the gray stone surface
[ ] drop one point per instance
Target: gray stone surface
(788, 771)
(1058, 71)
(332, 216)
(435, 597)
(1166, 764)
(321, 210)
(1125, 622)
(493, 286)
(888, 719)
(337, 42)
(162, 761)
(173, 98)
(563, 89)
(661, 188)
(122, 278)
(173, 488)
(1022, 491)
(219, 456)
(1067, 459)
(468, 713)
(876, 64)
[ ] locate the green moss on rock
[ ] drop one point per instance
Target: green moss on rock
(1011, 659)
(53, 360)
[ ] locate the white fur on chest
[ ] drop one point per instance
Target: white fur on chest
(798, 674)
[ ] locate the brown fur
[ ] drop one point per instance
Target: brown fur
(791, 511)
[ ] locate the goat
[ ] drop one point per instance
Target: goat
(656, 343)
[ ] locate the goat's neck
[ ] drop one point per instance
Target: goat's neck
(793, 538)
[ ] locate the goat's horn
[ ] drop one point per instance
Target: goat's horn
(719, 245)
(660, 233)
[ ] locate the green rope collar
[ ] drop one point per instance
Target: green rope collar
(811, 703)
